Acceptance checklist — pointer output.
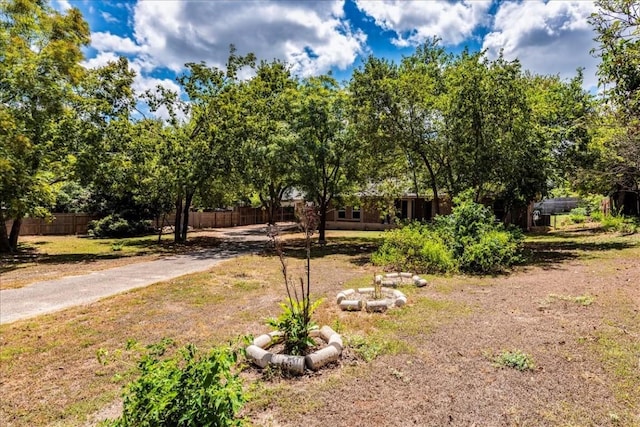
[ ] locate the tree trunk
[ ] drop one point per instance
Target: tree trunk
(434, 184)
(185, 216)
(322, 226)
(4, 237)
(178, 220)
(15, 232)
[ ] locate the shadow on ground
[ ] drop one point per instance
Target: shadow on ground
(359, 249)
(30, 254)
(548, 254)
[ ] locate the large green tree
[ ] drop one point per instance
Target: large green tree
(327, 156)
(270, 138)
(396, 109)
(206, 131)
(617, 139)
(40, 54)
(489, 144)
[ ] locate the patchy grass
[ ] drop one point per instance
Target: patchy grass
(583, 300)
(617, 344)
(425, 358)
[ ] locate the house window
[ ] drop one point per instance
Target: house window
(342, 213)
(356, 213)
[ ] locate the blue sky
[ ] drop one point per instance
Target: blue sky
(160, 36)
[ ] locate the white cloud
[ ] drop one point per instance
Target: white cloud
(63, 5)
(414, 22)
(547, 38)
(313, 37)
(111, 42)
(102, 59)
(109, 17)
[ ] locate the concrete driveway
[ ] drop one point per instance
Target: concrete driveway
(53, 295)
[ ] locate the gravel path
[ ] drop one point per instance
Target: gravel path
(53, 295)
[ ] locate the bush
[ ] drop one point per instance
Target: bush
(296, 325)
(619, 223)
(116, 226)
(469, 240)
(189, 389)
(596, 216)
(415, 247)
(578, 215)
(495, 250)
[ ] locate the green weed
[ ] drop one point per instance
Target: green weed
(514, 359)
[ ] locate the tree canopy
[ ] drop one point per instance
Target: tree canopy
(434, 123)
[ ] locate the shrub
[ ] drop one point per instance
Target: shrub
(494, 250)
(596, 216)
(619, 223)
(116, 226)
(469, 240)
(295, 320)
(578, 215)
(415, 248)
(189, 389)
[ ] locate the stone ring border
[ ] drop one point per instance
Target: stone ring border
(259, 354)
(393, 297)
(395, 279)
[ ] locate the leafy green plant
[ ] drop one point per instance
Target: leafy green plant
(116, 226)
(295, 320)
(596, 216)
(514, 359)
(619, 223)
(414, 247)
(117, 246)
(367, 348)
(578, 215)
(469, 240)
(295, 327)
(494, 250)
(189, 389)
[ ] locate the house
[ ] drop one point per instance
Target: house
(411, 207)
(368, 215)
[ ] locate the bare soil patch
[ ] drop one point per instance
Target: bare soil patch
(435, 355)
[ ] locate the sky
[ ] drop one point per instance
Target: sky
(315, 37)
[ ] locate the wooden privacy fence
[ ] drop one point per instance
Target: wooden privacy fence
(239, 216)
(77, 223)
(63, 223)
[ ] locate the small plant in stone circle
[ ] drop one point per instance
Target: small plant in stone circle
(515, 359)
(295, 322)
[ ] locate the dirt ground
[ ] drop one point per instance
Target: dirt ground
(443, 371)
(449, 378)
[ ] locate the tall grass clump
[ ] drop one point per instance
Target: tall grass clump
(468, 240)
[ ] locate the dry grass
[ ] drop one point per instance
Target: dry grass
(431, 362)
